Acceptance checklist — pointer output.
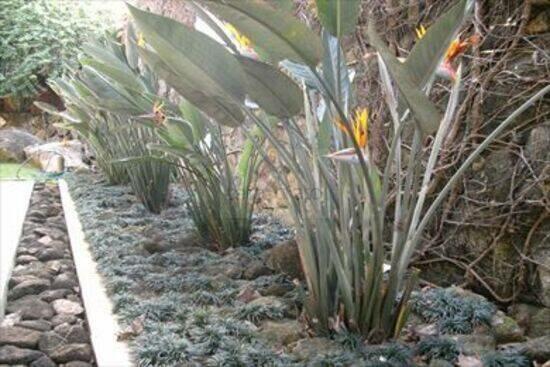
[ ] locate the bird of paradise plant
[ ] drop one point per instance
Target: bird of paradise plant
(357, 228)
(359, 134)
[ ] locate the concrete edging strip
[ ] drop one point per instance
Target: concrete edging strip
(15, 197)
(103, 325)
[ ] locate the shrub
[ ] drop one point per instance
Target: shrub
(452, 312)
(505, 359)
(221, 200)
(438, 348)
(38, 40)
(339, 201)
(103, 98)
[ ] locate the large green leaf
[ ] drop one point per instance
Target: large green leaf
(274, 92)
(197, 58)
(429, 51)
(339, 17)
(224, 112)
(424, 111)
(276, 32)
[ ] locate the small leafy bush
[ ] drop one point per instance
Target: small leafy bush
(438, 348)
(39, 39)
(504, 359)
(453, 312)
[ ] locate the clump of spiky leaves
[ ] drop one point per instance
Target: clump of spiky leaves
(453, 311)
(438, 348)
(333, 360)
(220, 202)
(162, 347)
(505, 359)
(102, 98)
(258, 312)
(390, 354)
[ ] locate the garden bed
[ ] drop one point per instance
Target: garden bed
(180, 301)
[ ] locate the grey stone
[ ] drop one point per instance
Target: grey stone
(50, 254)
(537, 348)
(43, 361)
(31, 308)
(52, 295)
(281, 332)
(476, 344)
(40, 325)
(19, 336)
(65, 280)
(65, 306)
(308, 348)
(72, 333)
(15, 280)
(25, 259)
(63, 318)
(13, 355)
(255, 269)
(28, 287)
(540, 323)
(72, 352)
(285, 258)
(49, 341)
(13, 143)
(506, 329)
(78, 364)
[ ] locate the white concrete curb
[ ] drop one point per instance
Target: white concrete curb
(103, 325)
(14, 203)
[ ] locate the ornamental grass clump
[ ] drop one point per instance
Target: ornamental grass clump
(102, 100)
(357, 224)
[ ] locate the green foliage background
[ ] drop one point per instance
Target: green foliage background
(39, 39)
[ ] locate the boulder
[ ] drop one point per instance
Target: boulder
(65, 281)
(40, 325)
(43, 361)
(281, 332)
(285, 258)
(505, 329)
(56, 156)
(49, 341)
(475, 344)
(540, 323)
(13, 143)
(34, 286)
(64, 306)
(72, 352)
(537, 349)
(308, 348)
(19, 336)
(13, 355)
(31, 308)
(72, 333)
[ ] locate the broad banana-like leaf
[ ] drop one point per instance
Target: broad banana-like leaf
(130, 41)
(276, 32)
(177, 133)
(335, 70)
(303, 73)
(193, 56)
(65, 115)
(271, 89)
(424, 111)
(339, 17)
(194, 117)
(428, 52)
(224, 112)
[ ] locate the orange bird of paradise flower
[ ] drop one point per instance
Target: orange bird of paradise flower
(456, 48)
(359, 132)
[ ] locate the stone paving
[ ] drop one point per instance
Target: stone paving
(45, 322)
